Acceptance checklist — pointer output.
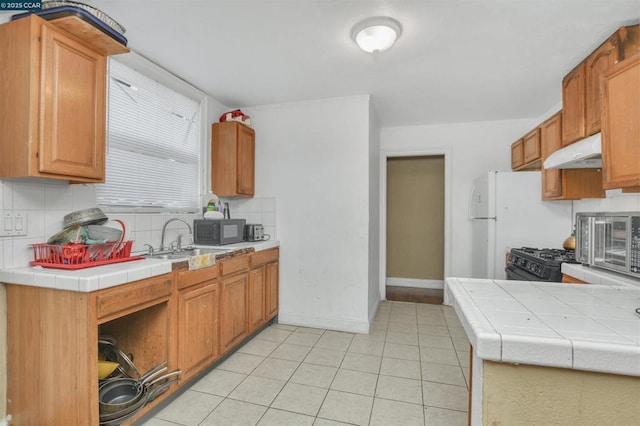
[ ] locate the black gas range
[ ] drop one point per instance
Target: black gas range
(532, 264)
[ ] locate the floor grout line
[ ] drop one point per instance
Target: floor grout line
(384, 320)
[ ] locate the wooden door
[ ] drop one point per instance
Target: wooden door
(198, 326)
(256, 298)
(551, 141)
(573, 105)
(271, 289)
(621, 125)
(72, 128)
(531, 146)
(517, 154)
(233, 311)
(246, 160)
(597, 65)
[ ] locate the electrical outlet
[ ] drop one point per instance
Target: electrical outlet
(13, 223)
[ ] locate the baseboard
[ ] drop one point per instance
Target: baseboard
(413, 282)
(329, 323)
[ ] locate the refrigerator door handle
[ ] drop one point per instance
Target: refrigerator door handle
(470, 215)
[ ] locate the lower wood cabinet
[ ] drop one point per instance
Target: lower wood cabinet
(271, 291)
(187, 318)
(233, 311)
(198, 311)
(568, 279)
(263, 287)
(257, 293)
(52, 345)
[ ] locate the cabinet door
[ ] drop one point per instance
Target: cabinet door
(621, 125)
(256, 298)
(246, 160)
(198, 327)
(72, 129)
(531, 144)
(573, 105)
(517, 154)
(597, 65)
(233, 311)
(551, 141)
(568, 279)
(271, 290)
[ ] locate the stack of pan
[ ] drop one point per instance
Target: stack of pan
(121, 398)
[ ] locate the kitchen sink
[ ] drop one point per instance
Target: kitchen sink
(187, 253)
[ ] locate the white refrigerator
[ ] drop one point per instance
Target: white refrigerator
(507, 211)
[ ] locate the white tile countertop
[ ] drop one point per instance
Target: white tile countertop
(592, 275)
(592, 328)
(101, 277)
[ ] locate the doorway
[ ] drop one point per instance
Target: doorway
(415, 228)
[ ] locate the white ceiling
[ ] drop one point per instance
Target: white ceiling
(456, 61)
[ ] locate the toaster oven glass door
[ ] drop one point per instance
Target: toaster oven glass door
(612, 243)
(584, 246)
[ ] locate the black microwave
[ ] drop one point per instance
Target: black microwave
(218, 232)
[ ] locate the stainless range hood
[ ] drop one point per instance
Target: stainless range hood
(584, 154)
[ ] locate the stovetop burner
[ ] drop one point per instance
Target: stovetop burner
(533, 264)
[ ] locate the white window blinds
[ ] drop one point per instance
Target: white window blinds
(153, 144)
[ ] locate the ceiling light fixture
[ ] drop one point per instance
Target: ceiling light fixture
(376, 34)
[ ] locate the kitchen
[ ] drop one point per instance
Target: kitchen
(322, 167)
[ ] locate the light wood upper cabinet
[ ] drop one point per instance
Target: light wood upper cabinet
(525, 152)
(551, 141)
(531, 143)
(517, 154)
(621, 125)
(582, 87)
(573, 105)
(568, 184)
(232, 159)
(596, 65)
(52, 108)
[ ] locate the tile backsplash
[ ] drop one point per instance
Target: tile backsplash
(46, 202)
(616, 201)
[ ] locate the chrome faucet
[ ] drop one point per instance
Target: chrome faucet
(164, 228)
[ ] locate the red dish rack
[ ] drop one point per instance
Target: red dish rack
(79, 256)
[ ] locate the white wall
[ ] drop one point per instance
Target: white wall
(313, 157)
(474, 149)
(374, 213)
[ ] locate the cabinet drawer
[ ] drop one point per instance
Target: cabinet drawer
(127, 296)
(189, 278)
(233, 265)
(266, 256)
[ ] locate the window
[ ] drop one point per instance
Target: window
(153, 141)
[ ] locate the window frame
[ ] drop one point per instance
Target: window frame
(146, 67)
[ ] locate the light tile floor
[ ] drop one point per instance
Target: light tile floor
(411, 370)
